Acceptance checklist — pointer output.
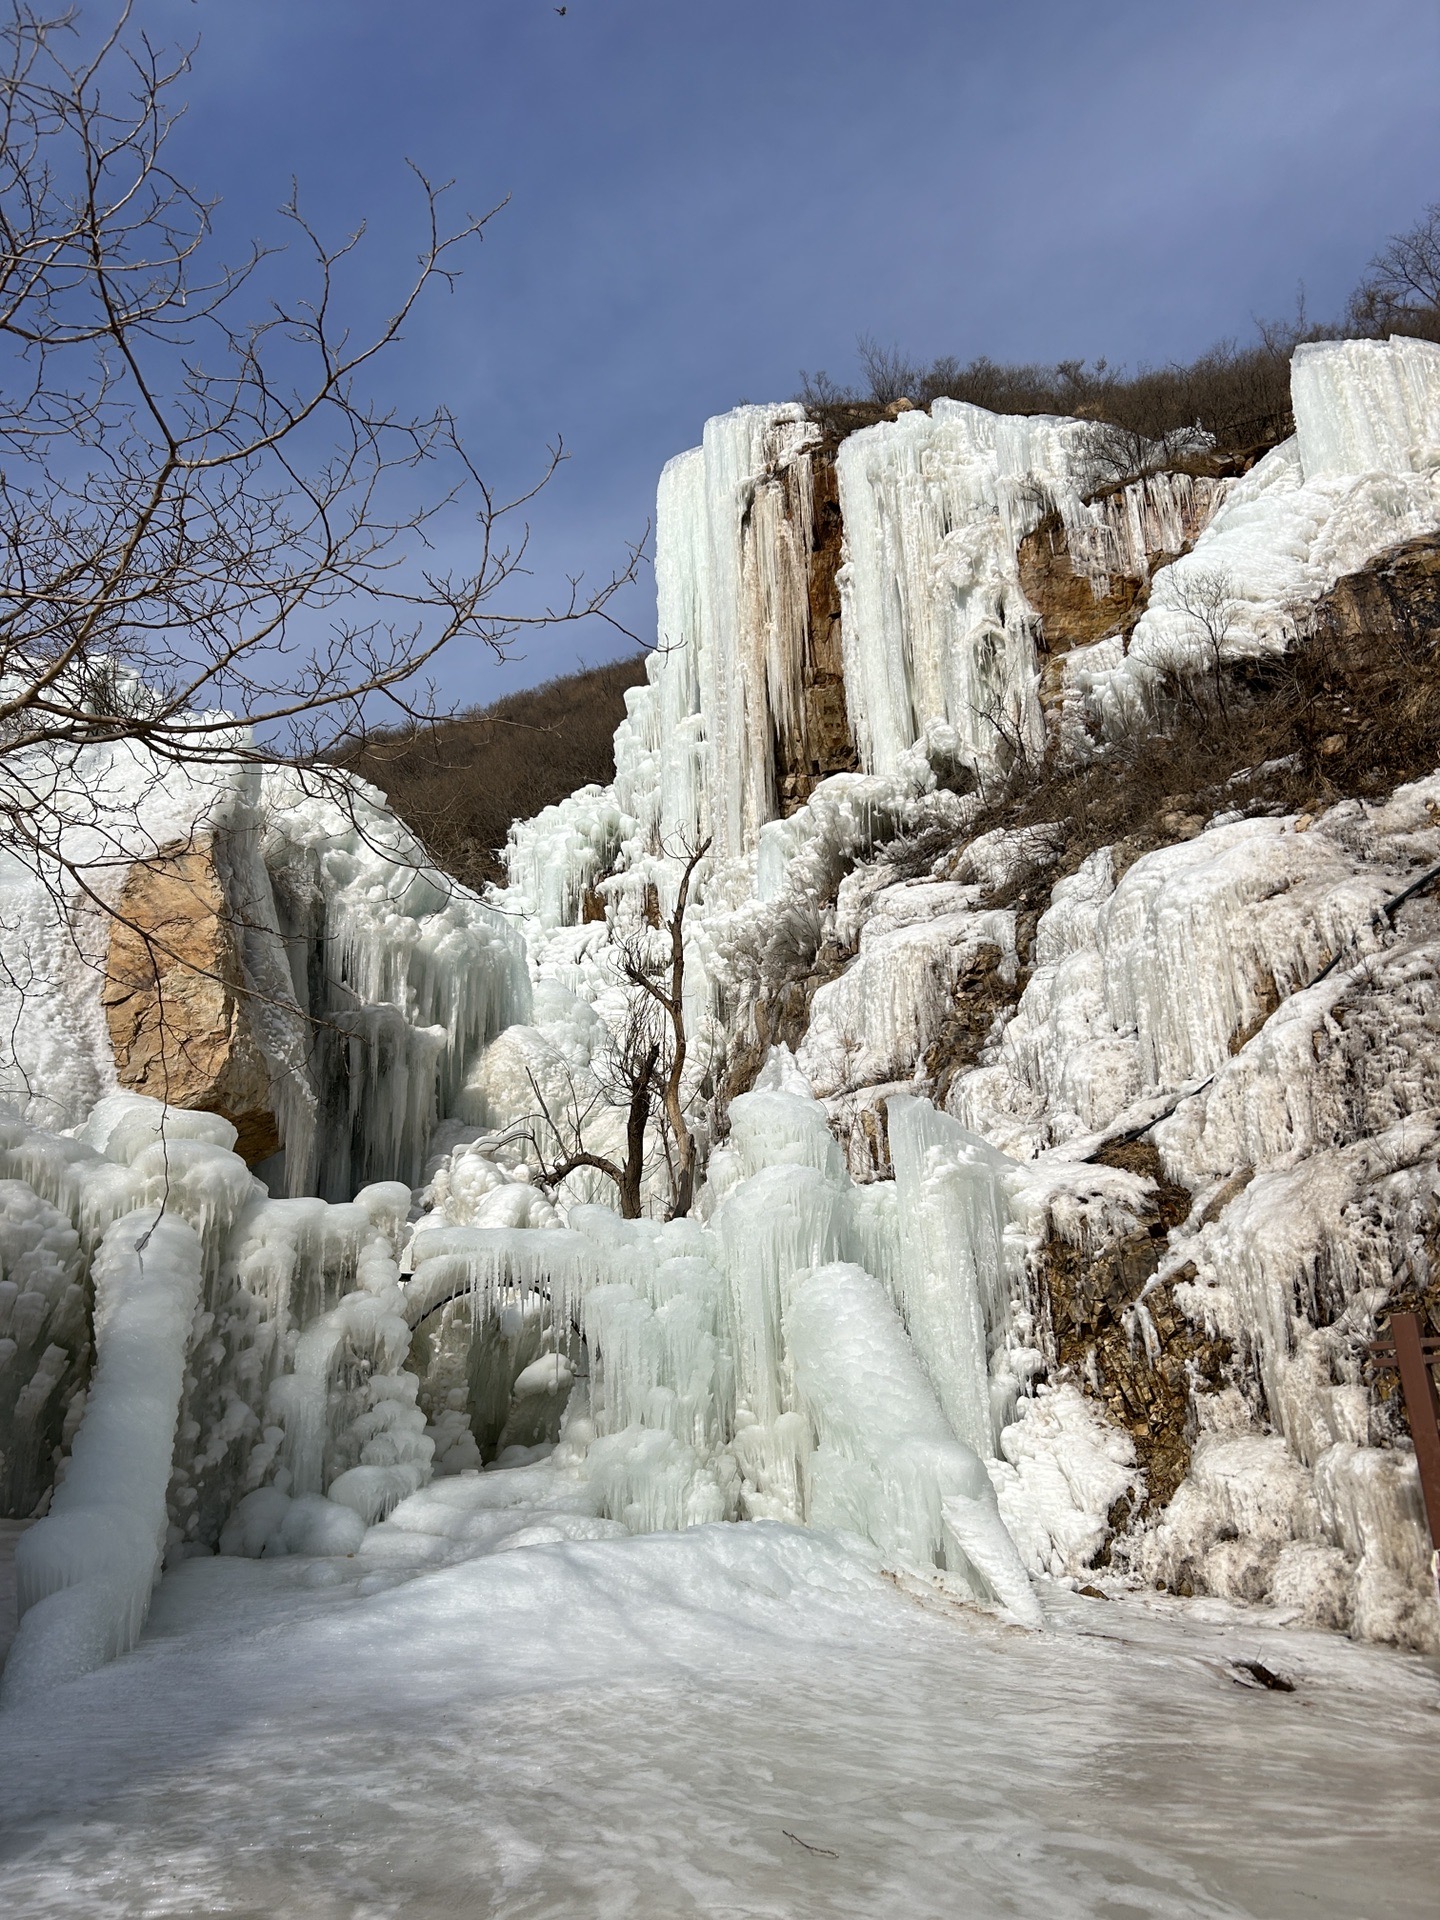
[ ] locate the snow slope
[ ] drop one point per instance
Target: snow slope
(731, 1720)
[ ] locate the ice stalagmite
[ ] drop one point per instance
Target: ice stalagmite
(887, 1464)
(86, 1571)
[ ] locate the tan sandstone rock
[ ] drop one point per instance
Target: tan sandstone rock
(174, 996)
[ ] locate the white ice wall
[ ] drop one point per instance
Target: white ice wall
(935, 624)
(1366, 406)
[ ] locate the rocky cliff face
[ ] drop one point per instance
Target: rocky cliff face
(1178, 1361)
(1086, 572)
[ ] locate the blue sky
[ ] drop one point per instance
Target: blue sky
(706, 198)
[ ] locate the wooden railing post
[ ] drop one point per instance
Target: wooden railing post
(1413, 1355)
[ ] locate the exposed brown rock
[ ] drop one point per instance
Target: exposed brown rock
(1087, 1292)
(1396, 597)
(1081, 597)
(175, 999)
(981, 991)
(1072, 613)
(824, 744)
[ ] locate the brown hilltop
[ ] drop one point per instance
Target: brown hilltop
(459, 783)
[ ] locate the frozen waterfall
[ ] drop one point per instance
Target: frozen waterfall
(282, 1359)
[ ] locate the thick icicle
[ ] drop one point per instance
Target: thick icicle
(85, 1572)
(887, 1465)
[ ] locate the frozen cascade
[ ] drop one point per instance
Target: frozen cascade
(1292, 1274)
(555, 859)
(731, 591)
(953, 1273)
(1143, 986)
(696, 755)
(44, 1341)
(1121, 530)
(347, 1406)
(936, 626)
(887, 1464)
(1367, 406)
(696, 1403)
(915, 945)
(860, 1357)
(333, 912)
(937, 646)
(1139, 989)
(407, 974)
(241, 1343)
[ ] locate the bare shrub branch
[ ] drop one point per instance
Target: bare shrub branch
(210, 526)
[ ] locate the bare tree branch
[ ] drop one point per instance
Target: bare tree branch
(219, 546)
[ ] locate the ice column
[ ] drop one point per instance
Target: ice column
(936, 627)
(887, 1465)
(732, 603)
(951, 1277)
(85, 1572)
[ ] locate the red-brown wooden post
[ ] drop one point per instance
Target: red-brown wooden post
(1422, 1409)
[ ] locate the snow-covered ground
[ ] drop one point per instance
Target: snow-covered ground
(734, 1720)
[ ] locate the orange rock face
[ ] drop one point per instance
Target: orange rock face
(175, 999)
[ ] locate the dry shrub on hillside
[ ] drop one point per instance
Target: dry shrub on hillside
(460, 782)
(1240, 395)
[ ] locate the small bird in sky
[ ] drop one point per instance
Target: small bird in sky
(562, 11)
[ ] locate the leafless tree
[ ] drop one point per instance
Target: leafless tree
(1205, 597)
(629, 1076)
(665, 986)
(642, 1069)
(1401, 291)
(891, 374)
(206, 523)
(218, 543)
